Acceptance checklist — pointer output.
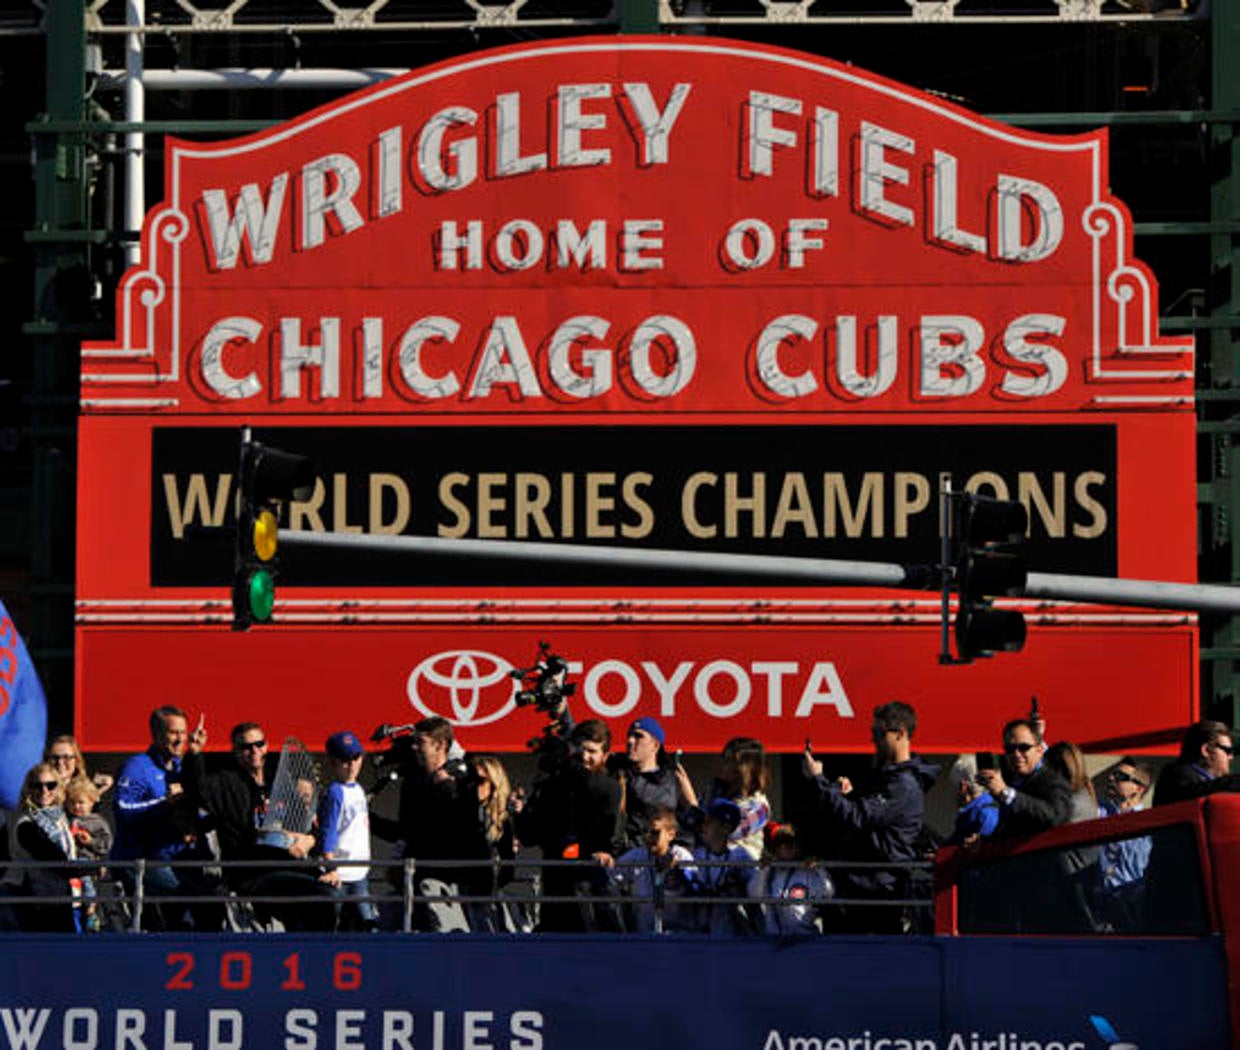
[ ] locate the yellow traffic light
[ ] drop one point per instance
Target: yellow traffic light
(266, 535)
(267, 477)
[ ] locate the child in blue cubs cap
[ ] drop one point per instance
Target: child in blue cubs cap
(344, 827)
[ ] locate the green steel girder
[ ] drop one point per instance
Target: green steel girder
(61, 299)
(639, 16)
(238, 126)
(1221, 493)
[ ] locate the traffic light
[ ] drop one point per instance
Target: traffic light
(268, 479)
(989, 537)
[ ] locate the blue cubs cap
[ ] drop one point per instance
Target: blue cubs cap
(727, 812)
(649, 725)
(344, 746)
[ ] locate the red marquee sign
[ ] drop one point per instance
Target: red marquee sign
(653, 291)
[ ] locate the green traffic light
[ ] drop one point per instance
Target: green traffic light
(262, 595)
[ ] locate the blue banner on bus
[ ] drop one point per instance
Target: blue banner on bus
(565, 993)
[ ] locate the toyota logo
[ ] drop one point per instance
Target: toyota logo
(468, 687)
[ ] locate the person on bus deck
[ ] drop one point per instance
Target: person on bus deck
(157, 820)
(64, 753)
(344, 834)
(576, 812)
(792, 890)
(650, 780)
(1203, 768)
(1173, 902)
(977, 813)
(1127, 784)
(235, 799)
(41, 833)
(724, 869)
(1078, 867)
(92, 837)
(1032, 796)
(743, 778)
(878, 819)
(437, 810)
(490, 837)
(1069, 762)
(660, 874)
(1124, 861)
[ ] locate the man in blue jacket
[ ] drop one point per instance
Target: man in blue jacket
(877, 820)
(157, 821)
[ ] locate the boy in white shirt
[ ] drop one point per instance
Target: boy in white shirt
(344, 830)
(659, 870)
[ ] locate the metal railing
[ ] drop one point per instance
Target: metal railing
(395, 887)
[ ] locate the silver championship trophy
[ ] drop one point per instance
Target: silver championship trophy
(294, 794)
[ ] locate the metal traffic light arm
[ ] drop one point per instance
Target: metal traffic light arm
(758, 566)
(824, 571)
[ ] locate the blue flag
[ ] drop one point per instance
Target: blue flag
(23, 712)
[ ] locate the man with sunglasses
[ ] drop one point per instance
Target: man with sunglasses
(1031, 795)
(877, 820)
(235, 797)
(1204, 765)
(1124, 861)
(1126, 787)
(157, 821)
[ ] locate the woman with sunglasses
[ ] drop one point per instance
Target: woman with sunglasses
(41, 833)
(492, 840)
(64, 755)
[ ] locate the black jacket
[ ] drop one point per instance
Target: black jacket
(1042, 800)
(439, 818)
(484, 880)
(33, 842)
(235, 804)
(1183, 780)
(642, 792)
(879, 820)
(574, 807)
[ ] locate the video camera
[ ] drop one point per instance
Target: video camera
(401, 757)
(544, 686)
(390, 765)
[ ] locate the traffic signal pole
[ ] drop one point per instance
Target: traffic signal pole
(945, 572)
(756, 566)
(1101, 590)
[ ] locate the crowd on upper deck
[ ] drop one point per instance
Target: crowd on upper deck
(622, 841)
